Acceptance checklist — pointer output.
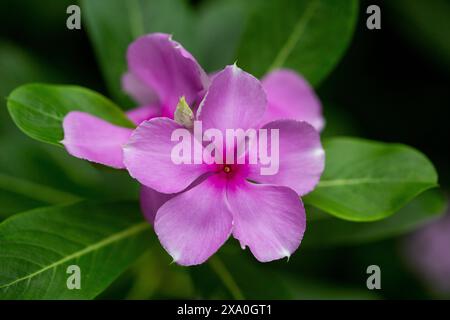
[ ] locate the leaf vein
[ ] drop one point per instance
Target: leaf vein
(292, 40)
(103, 243)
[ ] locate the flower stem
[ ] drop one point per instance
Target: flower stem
(222, 272)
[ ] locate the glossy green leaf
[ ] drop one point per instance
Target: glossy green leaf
(33, 174)
(13, 202)
(36, 247)
(309, 36)
(39, 109)
(365, 180)
(330, 231)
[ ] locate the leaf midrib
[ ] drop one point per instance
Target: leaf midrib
(292, 40)
(137, 228)
(41, 111)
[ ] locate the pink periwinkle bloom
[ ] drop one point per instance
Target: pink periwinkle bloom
(195, 208)
(212, 201)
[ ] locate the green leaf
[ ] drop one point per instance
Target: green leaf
(19, 67)
(303, 288)
(36, 191)
(365, 180)
(33, 174)
(309, 36)
(39, 109)
(36, 247)
(219, 27)
(13, 203)
(29, 175)
(110, 27)
(333, 232)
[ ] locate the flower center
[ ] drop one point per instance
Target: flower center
(227, 169)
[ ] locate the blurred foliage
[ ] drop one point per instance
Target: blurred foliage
(394, 91)
(261, 281)
(309, 36)
(114, 24)
(426, 25)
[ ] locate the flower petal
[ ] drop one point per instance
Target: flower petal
(151, 200)
(138, 90)
(195, 224)
(140, 114)
(235, 100)
(301, 157)
(270, 220)
(147, 156)
(94, 139)
(291, 97)
(166, 67)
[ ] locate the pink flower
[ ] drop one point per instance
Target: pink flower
(160, 72)
(211, 202)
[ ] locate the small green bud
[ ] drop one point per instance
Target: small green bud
(183, 114)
